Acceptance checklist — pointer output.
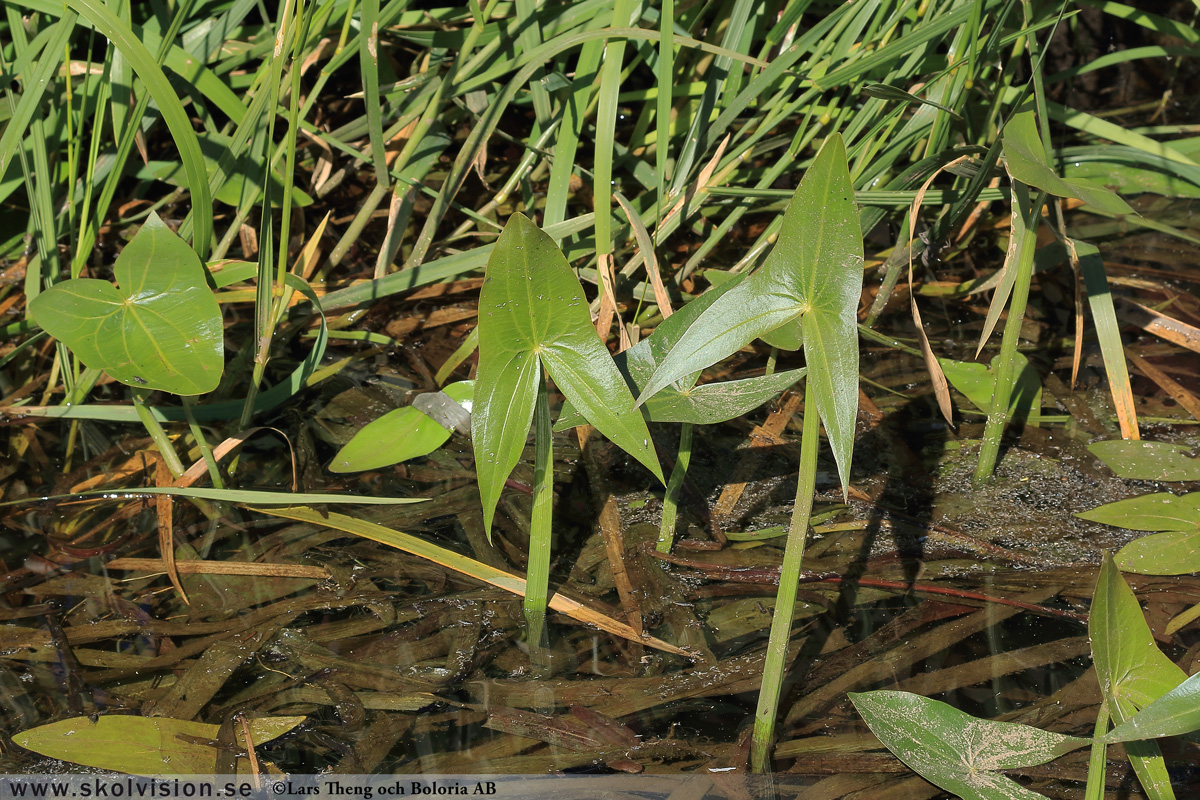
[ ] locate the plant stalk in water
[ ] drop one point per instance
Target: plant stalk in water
(537, 579)
(997, 419)
(666, 532)
(775, 665)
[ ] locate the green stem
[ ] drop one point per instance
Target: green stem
(165, 448)
(1095, 778)
(775, 664)
(537, 576)
(666, 533)
(214, 472)
(997, 419)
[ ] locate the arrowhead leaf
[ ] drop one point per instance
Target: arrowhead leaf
(532, 313)
(960, 753)
(813, 274)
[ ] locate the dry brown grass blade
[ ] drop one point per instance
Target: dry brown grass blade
(1160, 324)
(200, 468)
(253, 569)
(608, 303)
(1181, 395)
(941, 387)
(470, 567)
(163, 505)
(649, 257)
(609, 521)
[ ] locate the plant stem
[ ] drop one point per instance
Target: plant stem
(775, 663)
(165, 448)
(1095, 778)
(537, 575)
(997, 419)
(666, 533)
(214, 471)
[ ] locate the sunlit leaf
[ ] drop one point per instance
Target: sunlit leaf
(159, 328)
(1175, 713)
(1150, 512)
(398, 435)
(1132, 671)
(1147, 461)
(532, 312)
(142, 745)
(814, 274)
(960, 753)
(683, 401)
(1173, 553)
(1028, 164)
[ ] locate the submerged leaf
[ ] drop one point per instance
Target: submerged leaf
(159, 328)
(142, 745)
(532, 312)
(960, 753)
(814, 275)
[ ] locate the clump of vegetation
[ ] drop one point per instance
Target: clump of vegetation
(331, 252)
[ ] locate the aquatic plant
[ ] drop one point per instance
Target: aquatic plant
(805, 294)
(1146, 697)
(534, 324)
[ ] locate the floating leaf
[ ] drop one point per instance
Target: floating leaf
(960, 753)
(159, 328)
(1150, 512)
(398, 435)
(1174, 553)
(1028, 164)
(143, 745)
(814, 275)
(1147, 461)
(532, 312)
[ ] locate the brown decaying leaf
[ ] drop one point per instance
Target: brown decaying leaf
(1181, 395)
(941, 387)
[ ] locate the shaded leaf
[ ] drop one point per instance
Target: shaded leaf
(398, 435)
(1028, 164)
(960, 753)
(814, 273)
(159, 328)
(1147, 461)
(142, 745)
(977, 382)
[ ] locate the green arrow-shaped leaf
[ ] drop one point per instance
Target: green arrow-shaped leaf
(159, 328)
(1175, 713)
(1132, 671)
(960, 753)
(813, 274)
(532, 313)
(683, 401)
